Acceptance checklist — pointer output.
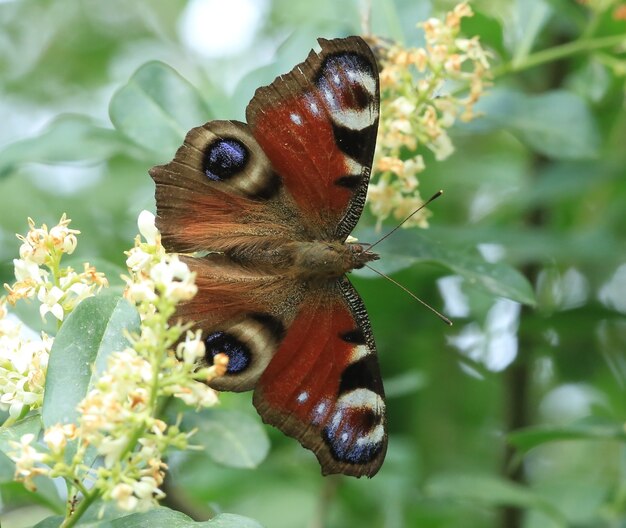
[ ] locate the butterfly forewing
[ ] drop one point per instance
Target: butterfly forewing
(317, 125)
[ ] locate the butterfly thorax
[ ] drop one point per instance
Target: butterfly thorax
(327, 260)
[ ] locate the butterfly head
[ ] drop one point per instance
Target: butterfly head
(359, 255)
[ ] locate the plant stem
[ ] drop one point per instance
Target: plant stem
(327, 495)
(559, 52)
(82, 508)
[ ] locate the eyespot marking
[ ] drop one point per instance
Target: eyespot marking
(239, 356)
(354, 435)
(224, 158)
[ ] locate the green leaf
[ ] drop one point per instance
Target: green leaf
(410, 246)
(591, 428)
(558, 124)
(522, 28)
(160, 517)
(29, 425)
(51, 522)
(91, 332)
(493, 491)
(406, 383)
(68, 138)
(7, 469)
(231, 438)
(16, 495)
(156, 108)
(398, 18)
(591, 81)
(588, 244)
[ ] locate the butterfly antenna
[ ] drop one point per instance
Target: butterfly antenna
(433, 197)
(438, 314)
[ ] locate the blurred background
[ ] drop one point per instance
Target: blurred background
(515, 416)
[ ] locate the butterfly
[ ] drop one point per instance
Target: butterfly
(270, 204)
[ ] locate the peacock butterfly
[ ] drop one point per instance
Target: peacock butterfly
(270, 205)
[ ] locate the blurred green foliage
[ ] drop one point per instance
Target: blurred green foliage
(512, 417)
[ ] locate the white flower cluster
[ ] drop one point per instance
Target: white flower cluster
(38, 272)
(416, 112)
(119, 415)
(154, 273)
(23, 364)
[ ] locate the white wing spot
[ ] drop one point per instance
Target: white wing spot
(359, 352)
(303, 396)
(295, 118)
(354, 119)
(312, 105)
(330, 97)
(362, 398)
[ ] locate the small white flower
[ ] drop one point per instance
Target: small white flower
(146, 488)
(180, 270)
(112, 448)
(192, 348)
(147, 227)
(442, 146)
(27, 270)
(161, 274)
(403, 107)
(123, 494)
(50, 302)
(63, 237)
(401, 125)
(180, 291)
(25, 457)
(79, 291)
(56, 436)
(141, 291)
(138, 259)
(196, 394)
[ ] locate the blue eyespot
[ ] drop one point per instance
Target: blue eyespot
(222, 343)
(348, 435)
(224, 158)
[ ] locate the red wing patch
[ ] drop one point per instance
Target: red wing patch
(323, 385)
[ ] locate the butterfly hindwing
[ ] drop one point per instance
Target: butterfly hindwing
(323, 384)
(241, 313)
